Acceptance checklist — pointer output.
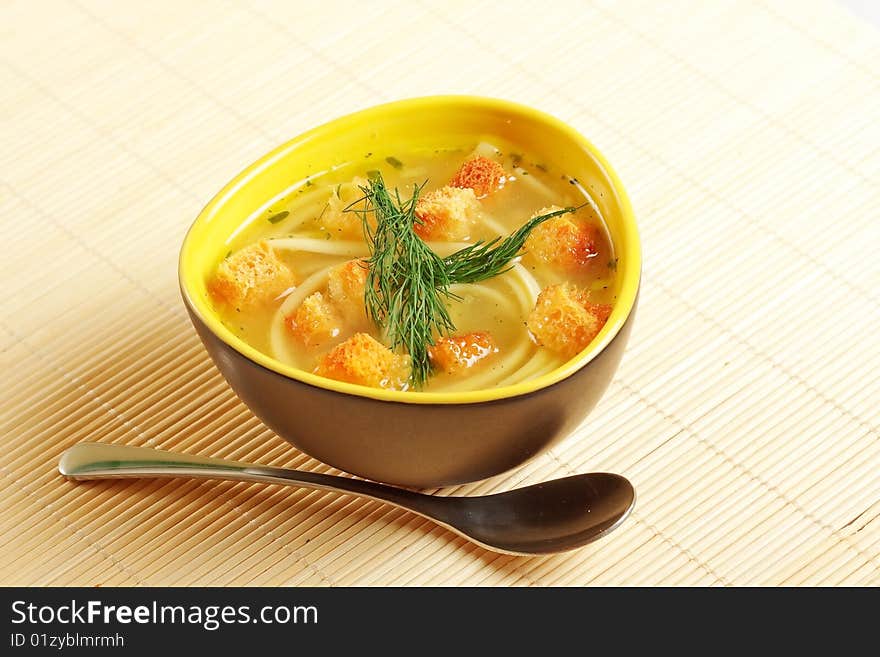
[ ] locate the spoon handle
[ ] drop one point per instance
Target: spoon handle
(106, 461)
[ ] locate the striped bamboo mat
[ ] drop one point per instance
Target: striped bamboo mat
(746, 409)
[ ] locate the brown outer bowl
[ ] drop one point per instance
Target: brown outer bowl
(417, 445)
(419, 440)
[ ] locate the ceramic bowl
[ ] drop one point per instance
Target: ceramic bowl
(412, 438)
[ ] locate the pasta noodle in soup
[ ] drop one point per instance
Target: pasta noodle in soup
(295, 280)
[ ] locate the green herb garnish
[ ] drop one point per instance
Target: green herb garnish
(407, 285)
(483, 260)
(275, 218)
(393, 161)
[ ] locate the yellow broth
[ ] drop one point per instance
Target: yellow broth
(498, 305)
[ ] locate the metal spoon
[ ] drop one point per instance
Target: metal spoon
(553, 516)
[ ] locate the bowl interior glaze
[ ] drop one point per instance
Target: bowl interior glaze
(440, 121)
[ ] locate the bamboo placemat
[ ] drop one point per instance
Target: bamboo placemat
(746, 409)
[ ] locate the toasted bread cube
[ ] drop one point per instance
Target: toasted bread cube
(252, 276)
(335, 220)
(343, 225)
(462, 351)
(564, 241)
(446, 214)
(480, 174)
(564, 320)
(363, 360)
(315, 322)
(346, 285)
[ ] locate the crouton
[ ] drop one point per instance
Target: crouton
(342, 225)
(335, 220)
(564, 241)
(346, 285)
(252, 276)
(315, 322)
(446, 214)
(564, 320)
(480, 174)
(363, 360)
(462, 351)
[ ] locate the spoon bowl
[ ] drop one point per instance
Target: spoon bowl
(553, 516)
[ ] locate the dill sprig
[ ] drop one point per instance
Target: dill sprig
(407, 285)
(483, 260)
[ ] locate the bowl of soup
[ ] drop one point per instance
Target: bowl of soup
(425, 293)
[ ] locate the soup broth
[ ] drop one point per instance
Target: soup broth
(292, 282)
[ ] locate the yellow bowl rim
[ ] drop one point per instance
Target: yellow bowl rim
(630, 271)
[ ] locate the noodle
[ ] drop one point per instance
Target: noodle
(526, 178)
(494, 226)
(539, 361)
(494, 372)
(315, 235)
(349, 249)
(510, 364)
(444, 249)
(308, 206)
(278, 339)
(485, 149)
(529, 281)
(462, 291)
